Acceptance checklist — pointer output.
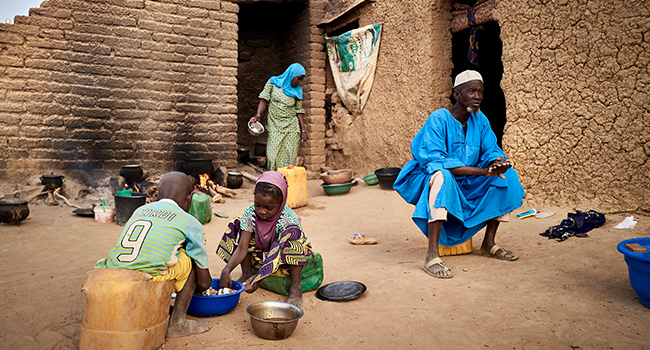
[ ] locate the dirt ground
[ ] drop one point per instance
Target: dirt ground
(574, 294)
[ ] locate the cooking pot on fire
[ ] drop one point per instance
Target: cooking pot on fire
(52, 181)
(131, 172)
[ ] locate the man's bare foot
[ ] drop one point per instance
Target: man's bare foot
(188, 327)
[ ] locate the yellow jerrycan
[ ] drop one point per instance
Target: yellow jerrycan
(124, 310)
(297, 180)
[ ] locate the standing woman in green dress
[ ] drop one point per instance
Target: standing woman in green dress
(283, 95)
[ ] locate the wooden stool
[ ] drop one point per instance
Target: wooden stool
(124, 310)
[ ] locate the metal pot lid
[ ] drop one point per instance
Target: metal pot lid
(52, 176)
(234, 173)
(341, 291)
(132, 166)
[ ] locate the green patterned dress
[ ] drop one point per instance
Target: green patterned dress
(283, 126)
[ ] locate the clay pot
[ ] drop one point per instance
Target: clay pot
(52, 181)
(131, 172)
(13, 210)
(336, 177)
(260, 149)
(243, 154)
(234, 180)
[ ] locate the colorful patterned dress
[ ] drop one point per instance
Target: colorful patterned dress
(290, 246)
(284, 130)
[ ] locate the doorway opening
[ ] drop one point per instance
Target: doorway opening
(266, 47)
(490, 66)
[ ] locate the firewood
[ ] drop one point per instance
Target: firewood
(50, 200)
(40, 194)
(226, 191)
(255, 167)
(56, 194)
(218, 199)
(212, 192)
(249, 176)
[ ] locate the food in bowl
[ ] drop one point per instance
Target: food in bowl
(215, 305)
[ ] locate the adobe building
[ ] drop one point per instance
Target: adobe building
(88, 86)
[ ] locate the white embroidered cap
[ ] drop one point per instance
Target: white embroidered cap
(466, 76)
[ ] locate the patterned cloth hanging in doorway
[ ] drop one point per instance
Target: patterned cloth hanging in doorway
(464, 17)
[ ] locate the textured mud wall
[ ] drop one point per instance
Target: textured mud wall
(577, 86)
(411, 81)
(92, 85)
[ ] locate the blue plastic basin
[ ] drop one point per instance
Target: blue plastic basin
(638, 266)
(215, 305)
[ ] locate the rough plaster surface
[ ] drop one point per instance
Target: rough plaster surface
(411, 81)
(89, 86)
(577, 86)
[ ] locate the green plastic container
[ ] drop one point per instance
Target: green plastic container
(371, 179)
(124, 193)
(201, 208)
(338, 189)
(310, 279)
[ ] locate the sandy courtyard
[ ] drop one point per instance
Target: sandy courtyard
(556, 296)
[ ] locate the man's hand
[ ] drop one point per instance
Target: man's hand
(498, 167)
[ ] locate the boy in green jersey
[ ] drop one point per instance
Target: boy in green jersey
(163, 240)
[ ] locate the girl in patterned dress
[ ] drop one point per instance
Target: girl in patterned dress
(283, 95)
(268, 237)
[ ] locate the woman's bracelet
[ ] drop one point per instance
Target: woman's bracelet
(303, 130)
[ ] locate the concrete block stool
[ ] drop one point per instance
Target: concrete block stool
(124, 310)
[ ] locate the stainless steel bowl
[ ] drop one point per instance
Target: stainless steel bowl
(255, 128)
(274, 320)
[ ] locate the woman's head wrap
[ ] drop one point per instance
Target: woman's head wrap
(284, 81)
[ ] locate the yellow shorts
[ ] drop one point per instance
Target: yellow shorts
(178, 272)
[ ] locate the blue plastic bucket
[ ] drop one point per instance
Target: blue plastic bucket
(215, 305)
(638, 265)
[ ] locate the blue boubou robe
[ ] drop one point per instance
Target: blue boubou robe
(442, 144)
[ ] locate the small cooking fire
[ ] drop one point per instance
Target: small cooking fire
(206, 185)
(134, 186)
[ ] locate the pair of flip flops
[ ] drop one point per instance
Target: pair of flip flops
(360, 238)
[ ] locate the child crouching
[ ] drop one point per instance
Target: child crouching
(268, 237)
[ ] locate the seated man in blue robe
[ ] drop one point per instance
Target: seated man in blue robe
(459, 178)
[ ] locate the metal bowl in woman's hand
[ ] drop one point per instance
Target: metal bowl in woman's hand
(255, 128)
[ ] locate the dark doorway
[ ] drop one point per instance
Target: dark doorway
(267, 46)
(490, 66)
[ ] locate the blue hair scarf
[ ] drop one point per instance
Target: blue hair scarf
(284, 81)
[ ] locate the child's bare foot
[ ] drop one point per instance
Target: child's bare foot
(244, 277)
(188, 327)
(295, 296)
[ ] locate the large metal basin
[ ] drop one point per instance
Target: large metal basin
(274, 320)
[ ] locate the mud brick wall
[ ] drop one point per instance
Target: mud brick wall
(310, 49)
(577, 86)
(89, 86)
